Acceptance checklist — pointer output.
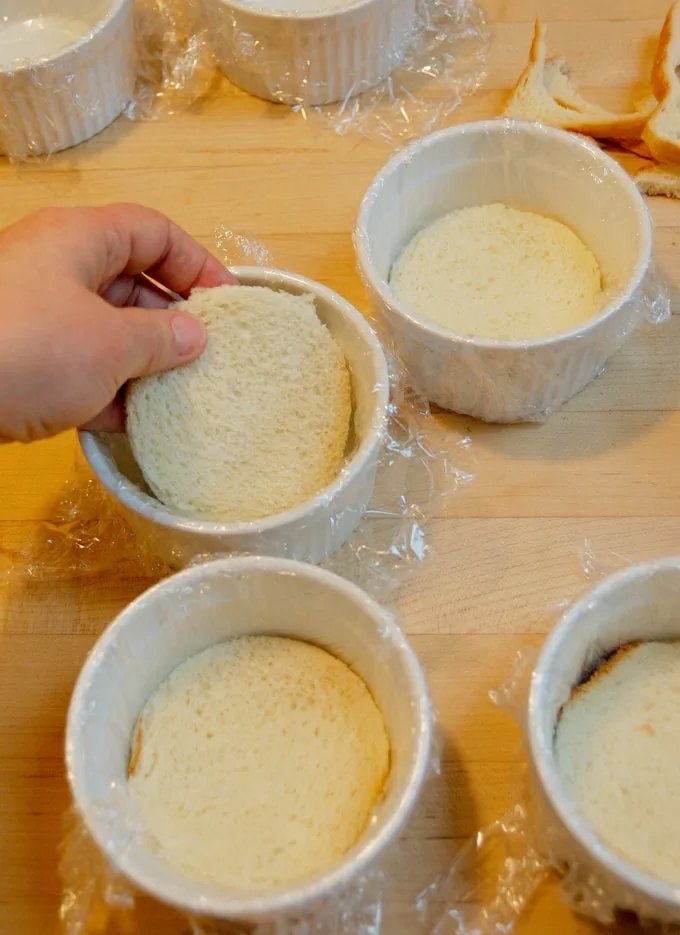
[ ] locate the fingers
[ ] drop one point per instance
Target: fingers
(135, 342)
(139, 342)
(137, 291)
(98, 245)
(141, 240)
(111, 419)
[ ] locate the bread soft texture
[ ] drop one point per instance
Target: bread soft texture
(662, 132)
(258, 762)
(659, 180)
(618, 752)
(544, 93)
(259, 423)
(495, 272)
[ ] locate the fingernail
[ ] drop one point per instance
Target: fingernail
(189, 334)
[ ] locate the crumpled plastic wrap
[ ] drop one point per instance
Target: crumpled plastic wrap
(534, 168)
(419, 466)
(87, 65)
(530, 845)
(176, 66)
(390, 69)
(163, 628)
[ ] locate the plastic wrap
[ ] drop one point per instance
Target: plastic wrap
(148, 640)
(534, 168)
(543, 836)
(416, 467)
(65, 77)
(176, 66)
(389, 69)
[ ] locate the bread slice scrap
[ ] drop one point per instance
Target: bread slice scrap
(659, 180)
(637, 147)
(544, 93)
(662, 133)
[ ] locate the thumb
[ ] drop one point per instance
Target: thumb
(157, 339)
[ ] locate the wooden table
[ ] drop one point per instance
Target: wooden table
(604, 469)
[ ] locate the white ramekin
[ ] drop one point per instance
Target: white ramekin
(47, 105)
(180, 617)
(311, 59)
(527, 166)
(640, 603)
(309, 532)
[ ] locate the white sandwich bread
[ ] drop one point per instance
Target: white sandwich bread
(257, 763)
(259, 423)
(659, 180)
(618, 752)
(496, 272)
(544, 93)
(662, 132)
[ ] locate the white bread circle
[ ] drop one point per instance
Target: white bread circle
(618, 752)
(492, 271)
(258, 762)
(259, 423)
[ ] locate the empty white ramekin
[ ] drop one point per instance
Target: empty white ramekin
(182, 616)
(640, 603)
(309, 532)
(309, 58)
(49, 102)
(528, 166)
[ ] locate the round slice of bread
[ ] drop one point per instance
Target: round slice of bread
(617, 746)
(258, 762)
(492, 271)
(259, 423)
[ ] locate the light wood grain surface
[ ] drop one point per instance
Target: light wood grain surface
(605, 470)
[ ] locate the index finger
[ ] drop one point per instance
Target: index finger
(141, 240)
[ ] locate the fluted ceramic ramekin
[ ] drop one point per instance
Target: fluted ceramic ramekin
(186, 614)
(639, 603)
(309, 58)
(67, 70)
(309, 532)
(527, 166)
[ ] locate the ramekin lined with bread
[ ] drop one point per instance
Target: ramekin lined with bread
(545, 93)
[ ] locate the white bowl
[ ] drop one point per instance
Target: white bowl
(528, 166)
(640, 603)
(309, 58)
(180, 617)
(67, 70)
(309, 532)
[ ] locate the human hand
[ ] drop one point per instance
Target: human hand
(78, 319)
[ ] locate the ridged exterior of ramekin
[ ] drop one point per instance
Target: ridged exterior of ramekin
(309, 60)
(509, 162)
(311, 532)
(63, 102)
(638, 603)
(503, 384)
(311, 539)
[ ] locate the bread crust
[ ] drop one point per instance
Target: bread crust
(666, 87)
(613, 126)
(611, 661)
(663, 181)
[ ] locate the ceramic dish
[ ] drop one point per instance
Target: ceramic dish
(180, 617)
(67, 70)
(640, 603)
(527, 166)
(309, 532)
(309, 58)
